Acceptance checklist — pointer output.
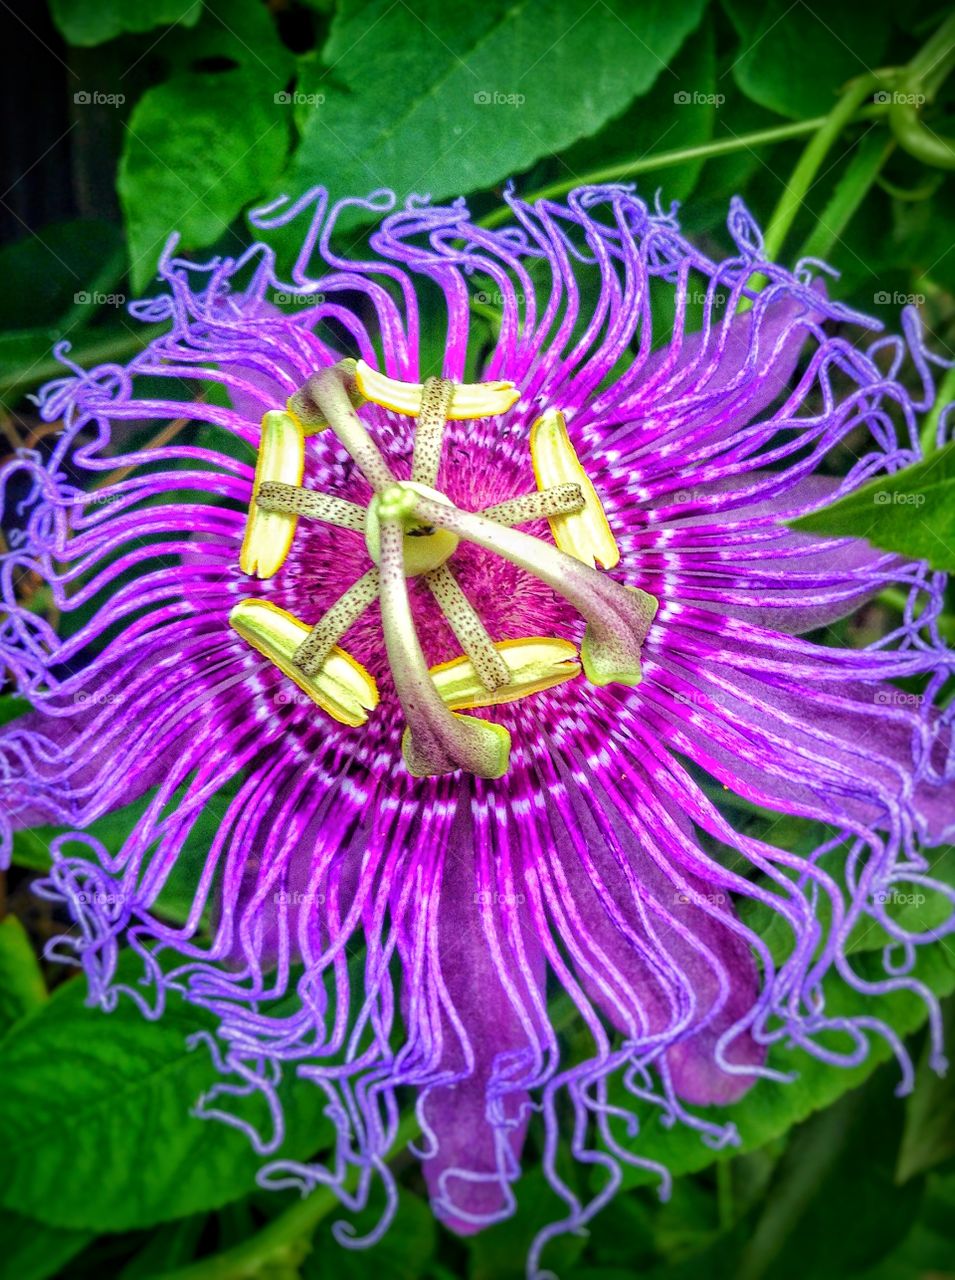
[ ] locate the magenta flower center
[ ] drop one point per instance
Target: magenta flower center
(411, 531)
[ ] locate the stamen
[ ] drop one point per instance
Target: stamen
(343, 688)
(471, 399)
(533, 665)
(275, 496)
(436, 397)
(470, 631)
(268, 535)
(324, 636)
(560, 500)
(618, 617)
(326, 398)
(586, 535)
(436, 741)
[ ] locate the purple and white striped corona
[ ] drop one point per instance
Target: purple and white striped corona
(458, 638)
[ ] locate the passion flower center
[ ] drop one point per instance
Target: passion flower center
(425, 547)
(412, 531)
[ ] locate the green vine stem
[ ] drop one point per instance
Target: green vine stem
(667, 159)
(920, 79)
(798, 186)
(862, 171)
(918, 84)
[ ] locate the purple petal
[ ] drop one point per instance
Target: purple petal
(478, 1123)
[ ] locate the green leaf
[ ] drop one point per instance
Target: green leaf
(197, 150)
(21, 982)
(402, 1254)
(12, 706)
(500, 1251)
(911, 907)
(26, 358)
(237, 31)
(794, 58)
(911, 512)
(170, 1247)
(929, 1137)
(88, 22)
(25, 361)
(33, 1250)
(679, 111)
(837, 1170)
(95, 1116)
(493, 88)
(918, 240)
(770, 1108)
(62, 272)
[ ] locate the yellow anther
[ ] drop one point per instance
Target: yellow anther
(584, 534)
(268, 534)
(535, 664)
(342, 688)
(470, 399)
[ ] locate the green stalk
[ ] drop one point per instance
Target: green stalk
(667, 159)
(935, 59)
(925, 73)
(798, 186)
(863, 170)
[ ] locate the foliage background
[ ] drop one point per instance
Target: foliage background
(125, 119)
